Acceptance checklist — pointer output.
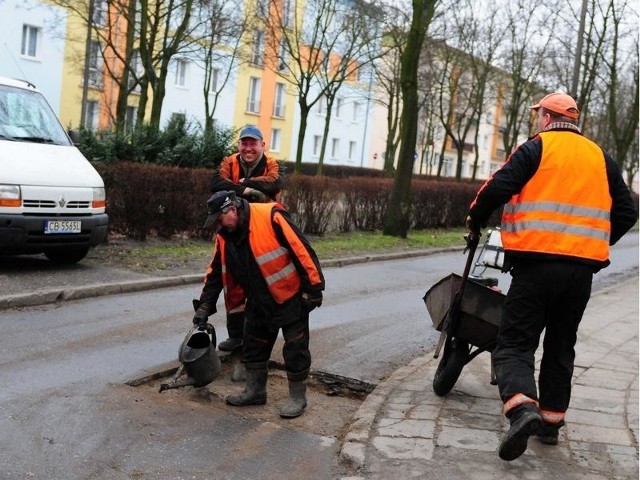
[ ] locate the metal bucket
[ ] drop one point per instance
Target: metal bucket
(199, 357)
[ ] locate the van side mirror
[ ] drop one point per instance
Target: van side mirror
(74, 135)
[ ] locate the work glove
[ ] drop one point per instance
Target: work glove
(203, 310)
(256, 196)
(473, 226)
(311, 300)
(473, 236)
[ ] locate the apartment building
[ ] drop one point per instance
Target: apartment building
(32, 45)
(48, 45)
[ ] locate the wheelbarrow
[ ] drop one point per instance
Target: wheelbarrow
(467, 311)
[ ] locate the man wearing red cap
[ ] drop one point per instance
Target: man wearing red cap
(253, 175)
(565, 203)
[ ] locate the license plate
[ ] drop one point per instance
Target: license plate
(62, 226)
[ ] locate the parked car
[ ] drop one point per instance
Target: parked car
(52, 200)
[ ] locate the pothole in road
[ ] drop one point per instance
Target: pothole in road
(332, 399)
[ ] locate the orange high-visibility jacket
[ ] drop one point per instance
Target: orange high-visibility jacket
(234, 297)
(564, 208)
(274, 260)
(266, 177)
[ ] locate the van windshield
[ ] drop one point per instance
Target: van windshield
(26, 116)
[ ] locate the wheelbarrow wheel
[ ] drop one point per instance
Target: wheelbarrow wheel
(453, 360)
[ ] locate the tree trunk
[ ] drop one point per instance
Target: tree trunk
(397, 221)
(304, 115)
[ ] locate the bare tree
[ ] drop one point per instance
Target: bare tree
(466, 72)
(138, 39)
(523, 59)
(319, 45)
(358, 47)
(607, 69)
(398, 212)
(223, 24)
(622, 105)
(387, 75)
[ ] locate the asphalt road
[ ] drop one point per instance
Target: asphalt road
(68, 413)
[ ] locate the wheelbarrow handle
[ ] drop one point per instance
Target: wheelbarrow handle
(451, 320)
(472, 239)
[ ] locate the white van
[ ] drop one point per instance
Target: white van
(52, 200)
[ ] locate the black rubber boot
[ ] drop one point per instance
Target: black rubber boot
(297, 401)
(548, 434)
(255, 390)
(235, 328)
(525, 421)
(230, 344)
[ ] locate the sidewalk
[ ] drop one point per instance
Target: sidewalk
(404, 430)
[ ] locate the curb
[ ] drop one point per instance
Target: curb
(55, 295)
(75, 293)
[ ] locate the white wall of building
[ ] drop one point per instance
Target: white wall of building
(348, 141)
(44, 68)
(188, 98)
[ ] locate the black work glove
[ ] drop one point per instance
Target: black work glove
(311, 300)
(203, 310)
(257, 196)
(473, 226)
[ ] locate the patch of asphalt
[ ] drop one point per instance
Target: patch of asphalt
(27, 295)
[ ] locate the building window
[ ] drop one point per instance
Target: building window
(356, 111)
(253, 102)
(214, 80)
(335, 147)
(181, 72)
(338, 107)
(130, 118)
(275, 139)
(258, 48)
(99, 12)
(352, 150)
(178, 118)
(262, 8)
(322, 105)
(135, 72)
(278, 102)
(91, 115)
(287, 13)
(447, 167)
(282, 56)
(317, 143)
(95, 65)
(30, 37)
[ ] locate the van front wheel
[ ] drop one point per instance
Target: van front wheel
(67, 256)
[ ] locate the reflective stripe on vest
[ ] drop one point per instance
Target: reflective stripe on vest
(274, 261)
(564, 208)
(283, 272)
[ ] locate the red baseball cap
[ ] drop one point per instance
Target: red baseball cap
(559, 103)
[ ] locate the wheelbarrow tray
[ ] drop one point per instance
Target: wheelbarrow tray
(480, 309)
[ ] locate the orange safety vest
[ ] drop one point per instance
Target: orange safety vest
(234, 297)
(274, 261)
(564, 208)
(231, 170)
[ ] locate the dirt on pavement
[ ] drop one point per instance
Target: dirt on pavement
(322, 396)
